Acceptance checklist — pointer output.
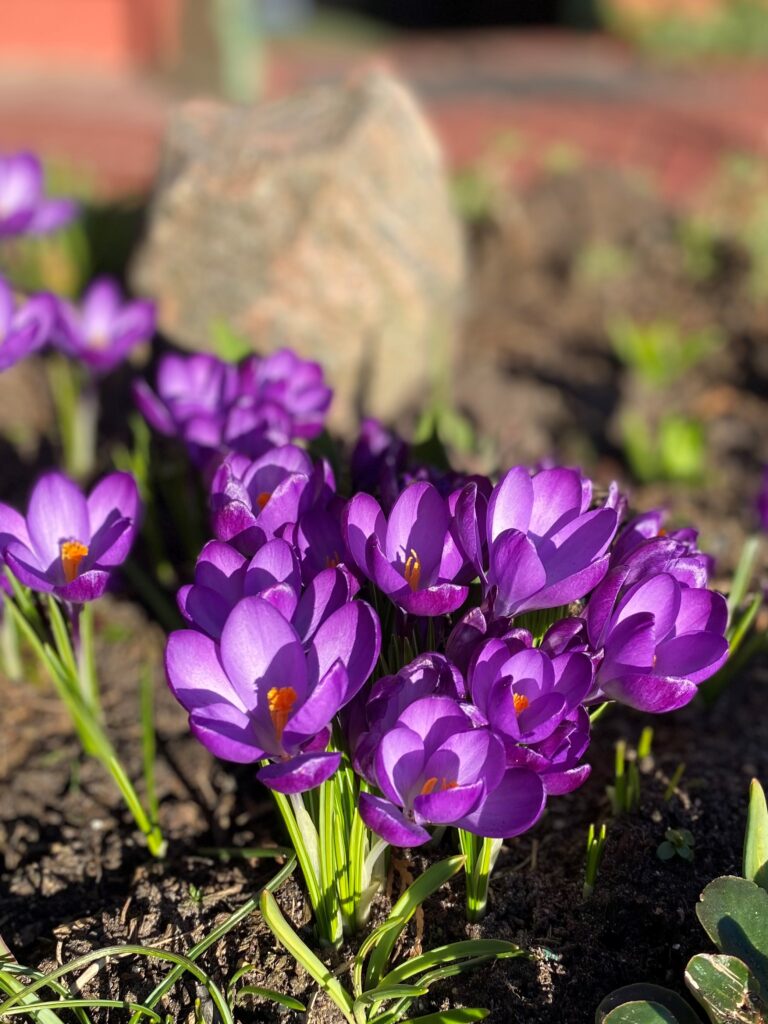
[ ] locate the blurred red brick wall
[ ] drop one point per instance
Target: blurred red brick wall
(114, 35)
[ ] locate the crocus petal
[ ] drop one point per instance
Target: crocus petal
(297, 775)
(399, 761)
(327, 592)
(387, 821)
(560, 783)
(273, 563)
(319, 708)
(27, 573)
(361, 519)
(653, 693)
(118, 494)
(693, 656)
(153, 409)
(701, 610)
(511, 503)
(13, 527)
(226, 732)
(512, 808)
(443, 807)
(195, 674)
(572, 588)
(260, 648)
(557, 495)
(283, 597)
(418, 523)
(630, 647)
(353, 635)
(88, 586)
(57, 512)
(601, 604)
(205, 608)
(441, 599)
(516, 571)
(660, 595)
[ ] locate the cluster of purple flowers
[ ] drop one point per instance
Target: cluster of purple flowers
(215, 407)
(102, 329)
(524, 603)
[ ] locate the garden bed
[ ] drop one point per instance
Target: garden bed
(538, 377)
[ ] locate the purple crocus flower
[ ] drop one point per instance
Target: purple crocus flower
(217, 407)
(379, 456)
(659, 639)
(24, 208)
(293, 384)
(223, 577)
(556, 758)
(646, 548)
(260, 694)
(545, 547)
(103, 330)
(68, 544)
(194, 394)
(253, 502)
(411, 556)
(24, 328)
(523, 693)
(435, 768)
(370, 718)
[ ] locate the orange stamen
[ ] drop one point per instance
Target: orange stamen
(521, 702)
(412, 570)
(332, 561)
(263, 498)
(281, 700)
(432, 784)
(72, 554)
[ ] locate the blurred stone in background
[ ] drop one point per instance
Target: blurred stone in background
(323, 221)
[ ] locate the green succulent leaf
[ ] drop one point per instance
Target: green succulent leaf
(756, 840)
(725, 988)
(643, 995)
(641, 1012)
(734, 913)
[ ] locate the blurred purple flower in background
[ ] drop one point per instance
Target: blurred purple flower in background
(68, 544)
(260, 695)
(25, 326)
(24, 207)
(103, 329)
(217, 407)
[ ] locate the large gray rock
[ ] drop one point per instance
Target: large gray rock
(322, 221)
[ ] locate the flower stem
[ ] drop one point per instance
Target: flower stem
(481, 854)
(76, 398)
(10, 654)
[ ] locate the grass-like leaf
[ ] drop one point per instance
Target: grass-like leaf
(269, 993)
(387, 934)
(301, 952)
(442, 957)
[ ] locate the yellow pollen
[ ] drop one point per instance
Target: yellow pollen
(437, 784)
(280, 699)
(72, 554)
(263, 498)
(521, 702)
(412, 570)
